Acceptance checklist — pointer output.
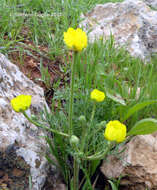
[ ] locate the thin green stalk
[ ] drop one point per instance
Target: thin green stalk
(75, 165)
(44, 127)
(86, 130)
(72, 93)
(76, 175)
(83, 137)
(93, 113)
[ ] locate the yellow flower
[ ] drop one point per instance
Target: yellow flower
(75, 39)
(21, 103)
(115, 131)
(97, 95)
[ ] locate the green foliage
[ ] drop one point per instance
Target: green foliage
(135, 108)
(113, 185)
(45, 76)
(144, 127)
(94, 70)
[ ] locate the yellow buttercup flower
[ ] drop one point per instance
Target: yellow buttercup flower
(97, 95)
(115, 131)
(75, 39)
(21, 103)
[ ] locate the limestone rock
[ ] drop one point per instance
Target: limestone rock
(20, 146)
(138, 164)
(151, 3)
(132, 23)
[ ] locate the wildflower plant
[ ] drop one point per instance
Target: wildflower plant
(79, 139)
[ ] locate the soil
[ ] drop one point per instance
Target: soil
(29, 63)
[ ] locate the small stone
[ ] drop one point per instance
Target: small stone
(138, 163)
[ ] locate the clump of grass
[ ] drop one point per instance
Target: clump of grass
(45, 22)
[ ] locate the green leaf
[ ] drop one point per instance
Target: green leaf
(94, 165)
(116, 98)
(136, 108)
(144, 127)
(100, 69)
(114, 187)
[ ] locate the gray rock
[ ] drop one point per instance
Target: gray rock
(138, 164)
(151, 3)
(19, 139)
(132, 23)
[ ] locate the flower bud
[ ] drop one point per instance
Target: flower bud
(74, 140)
(82, 119)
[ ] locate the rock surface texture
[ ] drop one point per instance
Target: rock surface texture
(21, 149)
(132, 23)
(138, 164)
(151, 3)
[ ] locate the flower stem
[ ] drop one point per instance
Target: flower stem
(75, 164)
(72, 93)
(44, 127)
(86, 130)
(76, 175)
(93, 112)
